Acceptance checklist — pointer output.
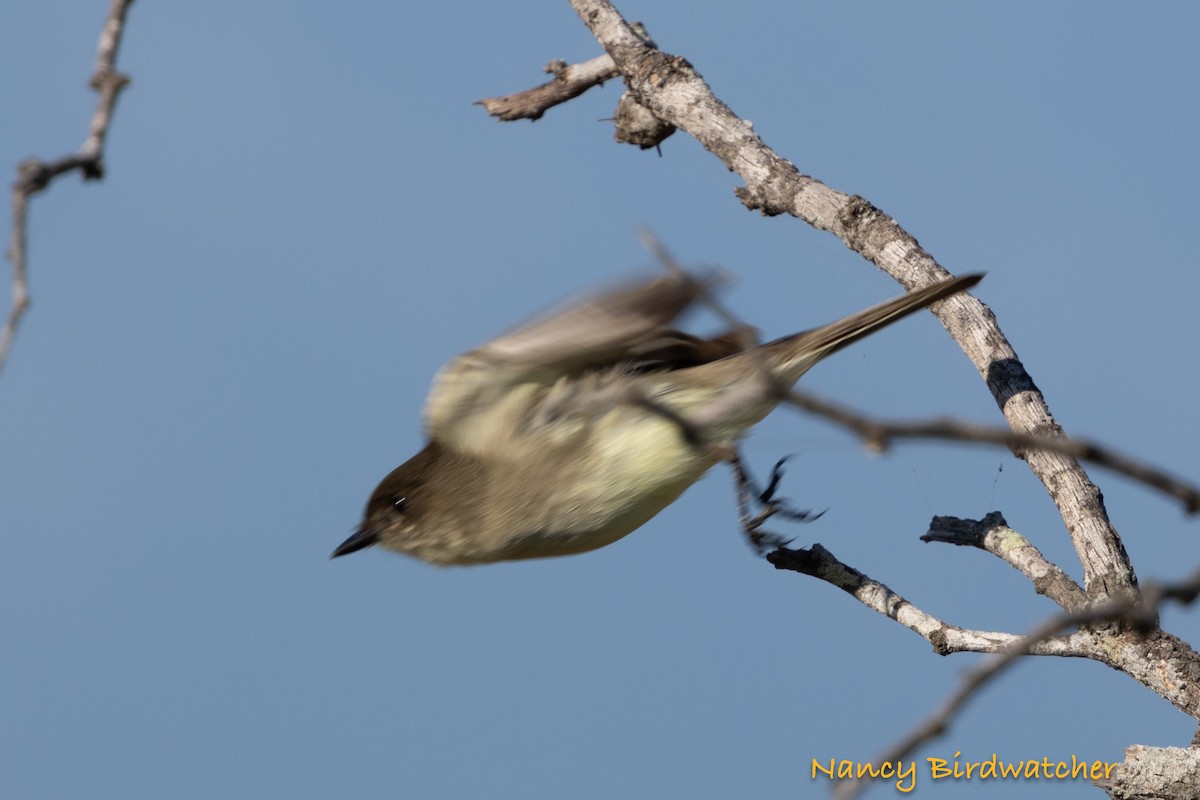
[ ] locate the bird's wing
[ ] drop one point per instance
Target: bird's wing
(628, 323)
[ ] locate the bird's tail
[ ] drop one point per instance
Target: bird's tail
(794, 355)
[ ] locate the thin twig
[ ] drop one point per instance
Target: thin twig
(569, 82)
(878, 435)
(34, 175)
(748, 333)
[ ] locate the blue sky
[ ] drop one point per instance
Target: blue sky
(305, 216)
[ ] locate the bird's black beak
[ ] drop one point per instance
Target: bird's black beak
(363, 537)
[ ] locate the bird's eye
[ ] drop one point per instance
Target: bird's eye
(400, 503)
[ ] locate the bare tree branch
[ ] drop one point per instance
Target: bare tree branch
(674, 92)
(1133, 618)
(993, 535)
(945, 638)
(34, 175)
(1122, 633)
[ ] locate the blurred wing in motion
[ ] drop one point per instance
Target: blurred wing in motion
(627, 325)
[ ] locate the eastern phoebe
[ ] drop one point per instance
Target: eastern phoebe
(574, 429)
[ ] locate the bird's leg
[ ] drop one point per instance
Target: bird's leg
(748, 493)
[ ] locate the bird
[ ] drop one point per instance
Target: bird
(574, 429)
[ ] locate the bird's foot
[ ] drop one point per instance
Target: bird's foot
(748, 494)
